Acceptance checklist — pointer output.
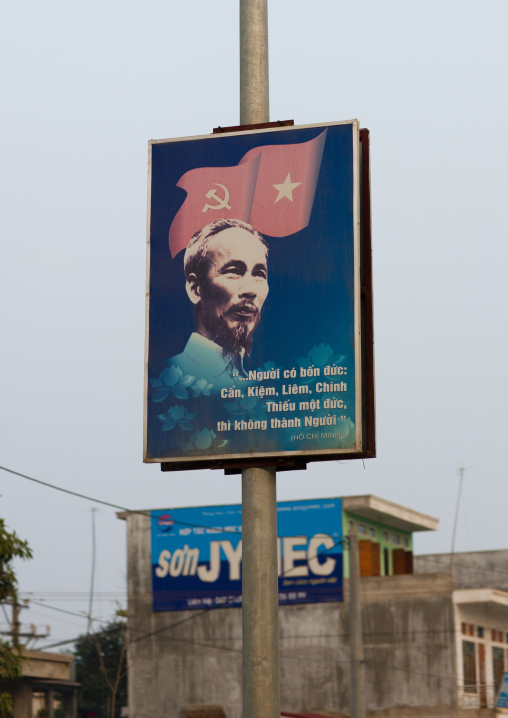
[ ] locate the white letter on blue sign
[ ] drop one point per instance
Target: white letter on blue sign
(234, 556)
(211, 574)
(291, 555)
(177, 561)
(191, 560)
(163, 567)
(318, 568)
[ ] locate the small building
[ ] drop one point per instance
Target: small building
(47, 687)
(385, 531)
(431, 648)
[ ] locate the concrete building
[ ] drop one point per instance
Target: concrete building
(47, 686)
(470, 569)
(431, 648)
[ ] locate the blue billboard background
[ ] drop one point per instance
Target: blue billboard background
(307, 320)
(196, 555)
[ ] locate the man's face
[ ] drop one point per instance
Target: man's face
(234, 289)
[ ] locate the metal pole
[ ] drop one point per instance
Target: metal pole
(254, 104)
(260, 603)
(260, 622)
(15, 620)
(355, 628)
(90, 604)
(461, 474)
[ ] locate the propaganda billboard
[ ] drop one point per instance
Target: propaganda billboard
(197, 555)
(253, 342)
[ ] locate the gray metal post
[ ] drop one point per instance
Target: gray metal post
(358, 706)
(461, 474)
(260, 624)
(254, 104)
(260, 605)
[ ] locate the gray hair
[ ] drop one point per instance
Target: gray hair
(195, 260)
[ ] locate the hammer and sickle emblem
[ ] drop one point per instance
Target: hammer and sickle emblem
(222, 203)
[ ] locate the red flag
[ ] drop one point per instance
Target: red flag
(272, 188)
(285, 187)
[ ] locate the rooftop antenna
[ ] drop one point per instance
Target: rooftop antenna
(461, 477)
(90, 604)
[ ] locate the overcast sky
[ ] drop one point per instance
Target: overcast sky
(84, 87)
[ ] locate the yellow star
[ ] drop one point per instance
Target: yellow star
(286, 189)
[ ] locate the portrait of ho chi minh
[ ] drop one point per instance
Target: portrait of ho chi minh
(226, 276)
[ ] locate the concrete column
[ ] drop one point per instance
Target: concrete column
(254, 102)
(260, 622)
(260, 604)
(51, 703)
(358, 704)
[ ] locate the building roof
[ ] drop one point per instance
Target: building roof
(50, 666)
(370, 507)
(481, 595)
(386, 512)
(486, 606)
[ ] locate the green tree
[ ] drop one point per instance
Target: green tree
(101, 668)
(11, 547)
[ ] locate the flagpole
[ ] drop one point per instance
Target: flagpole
(260, 606)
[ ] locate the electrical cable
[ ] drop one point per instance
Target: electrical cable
(194, 616)
(202, 644)
(372, 634)
(148, 514)
(186, 523)
(107, 503)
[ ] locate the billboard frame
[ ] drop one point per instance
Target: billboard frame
(365, 401)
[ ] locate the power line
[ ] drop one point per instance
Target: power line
(203, 643)
(109, 503)
(68, 595)
(283, 656)
(147, 514)
(63, 610)
(186, 523)
(194, 615)
(366, 634)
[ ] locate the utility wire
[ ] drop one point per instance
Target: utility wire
(371, 634)
(193, 616)
(108, 503)
(286, 657)
(63, 610)
(203, 643)
(148, 514)
(186, 523)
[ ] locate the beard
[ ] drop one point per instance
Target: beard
(236, 338)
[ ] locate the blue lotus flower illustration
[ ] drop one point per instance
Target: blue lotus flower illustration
(203, 442)
(268, 366)
(319, 357)
(201, 387)
(248, 406)
(176, 415)
(171, 381)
